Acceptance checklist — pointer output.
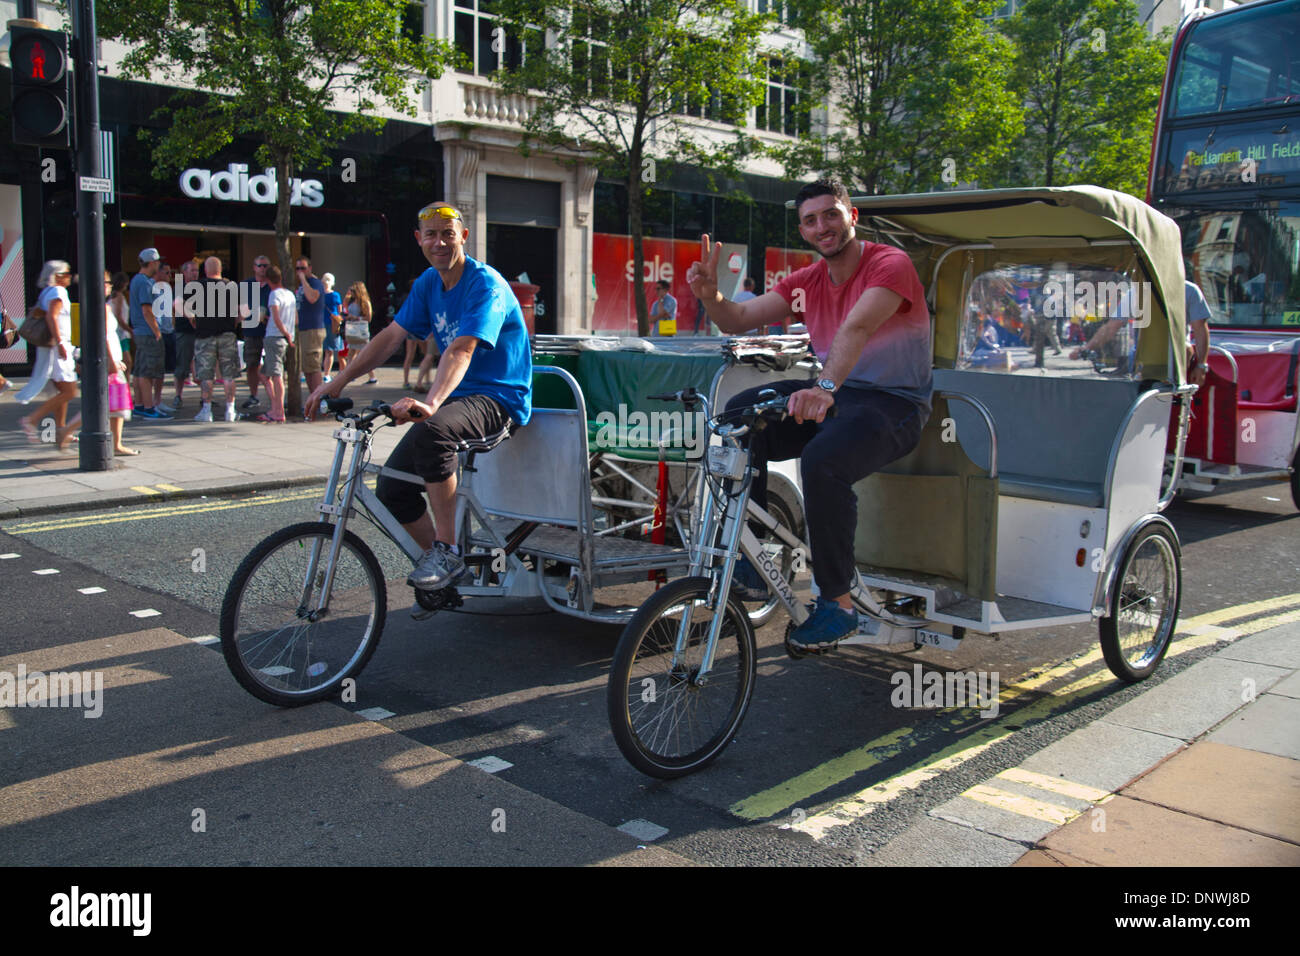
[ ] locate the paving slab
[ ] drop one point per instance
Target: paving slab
(1053, 858)
(1103, 755)
(1011, 809)
(1243, 788)
(1141, 834)
(1270, 724)
(1287, 688)
(1190, 703)
(1279, 646)
(930, 842)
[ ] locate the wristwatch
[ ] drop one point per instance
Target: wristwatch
(827, 385)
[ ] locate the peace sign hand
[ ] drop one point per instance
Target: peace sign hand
(702, 276)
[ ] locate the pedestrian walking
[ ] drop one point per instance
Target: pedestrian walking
(56, 363)
(8, 336)
(119, 393)
(356, 328)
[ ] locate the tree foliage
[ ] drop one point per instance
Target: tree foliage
(917, 90)
(1090, 78)
(634, 85)
(274, 71)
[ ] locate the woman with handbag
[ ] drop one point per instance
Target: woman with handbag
(356, 325)
(8, 338)
(56, 362)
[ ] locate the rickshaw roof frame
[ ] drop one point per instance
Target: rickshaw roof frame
(1088, 216)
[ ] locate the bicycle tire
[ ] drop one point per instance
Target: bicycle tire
(649, 729)
(1133, 639)
(319, 654)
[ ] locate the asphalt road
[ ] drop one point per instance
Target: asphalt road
(517, 682)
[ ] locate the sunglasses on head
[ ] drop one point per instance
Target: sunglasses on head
(446, 212)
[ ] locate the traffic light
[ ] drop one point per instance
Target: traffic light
(39, 68)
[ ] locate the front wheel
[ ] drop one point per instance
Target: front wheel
(279, 645)
(1144, 609)
(1295, 479)
(667, 719)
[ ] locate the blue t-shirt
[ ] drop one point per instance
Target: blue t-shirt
(311, 315)
(333, 303)
(140, 294)
(482, 305)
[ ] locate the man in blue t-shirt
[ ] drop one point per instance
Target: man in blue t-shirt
(311, 322)
(482, 388)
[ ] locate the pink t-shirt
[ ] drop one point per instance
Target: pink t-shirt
(897, 357)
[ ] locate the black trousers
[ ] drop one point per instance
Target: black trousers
(870, 429)
(429, 449)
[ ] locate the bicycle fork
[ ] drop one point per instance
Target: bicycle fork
(346, 435)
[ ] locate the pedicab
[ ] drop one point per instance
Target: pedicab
(1033, 499)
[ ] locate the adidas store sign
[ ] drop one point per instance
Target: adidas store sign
(233, 184)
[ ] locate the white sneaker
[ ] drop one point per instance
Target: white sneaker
(230, 412)
(205, 413)
(324, 408)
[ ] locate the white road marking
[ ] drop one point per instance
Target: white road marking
(643, 830)
(47, 571)
(146, 612)
(90, 590)
(11, 554)
(206, 639)
(375, 713)
(491, 764)
(277, 671)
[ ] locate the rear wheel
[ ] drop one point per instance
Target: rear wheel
(1144, 609)
(1295, 479)
(278, 646)
(666, 720)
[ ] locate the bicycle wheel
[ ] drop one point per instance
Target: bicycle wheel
(1136, 633)
(667, 723)
(272, 646)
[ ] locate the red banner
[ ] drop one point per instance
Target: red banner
(667, 259)
(779, 263)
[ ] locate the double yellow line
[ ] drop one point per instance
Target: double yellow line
(978, 736)
(150, 514)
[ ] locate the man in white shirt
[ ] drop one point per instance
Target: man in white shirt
(280, 329)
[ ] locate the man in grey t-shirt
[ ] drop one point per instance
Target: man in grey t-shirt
(150, 358)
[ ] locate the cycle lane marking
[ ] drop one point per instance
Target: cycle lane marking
(1192, 634)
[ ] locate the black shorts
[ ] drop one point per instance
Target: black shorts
(430, 448)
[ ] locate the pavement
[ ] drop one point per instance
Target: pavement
(1202, 769)
(179, 458)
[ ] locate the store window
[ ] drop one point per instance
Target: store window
(488, 43)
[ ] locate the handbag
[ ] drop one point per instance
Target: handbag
(356, 329)
(35, 329)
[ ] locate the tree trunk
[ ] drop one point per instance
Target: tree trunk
(292, 387)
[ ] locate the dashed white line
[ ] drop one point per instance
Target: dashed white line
(206, 639)
(90, 590)
(146, 612)
(643, 830)
(375, 713)
(491, 764)
(10, 555)
(47, 571)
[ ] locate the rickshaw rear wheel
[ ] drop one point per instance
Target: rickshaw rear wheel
(666, 722)
(1144, 607)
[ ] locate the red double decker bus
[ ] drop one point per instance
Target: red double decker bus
(1225, 165)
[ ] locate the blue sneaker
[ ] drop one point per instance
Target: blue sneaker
(747, 583)
(146, 413)
(826, 626)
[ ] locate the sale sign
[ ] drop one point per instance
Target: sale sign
(666, 259)
(779, 263)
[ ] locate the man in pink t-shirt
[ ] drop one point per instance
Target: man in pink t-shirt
(865, 312)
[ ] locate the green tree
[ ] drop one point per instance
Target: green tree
(1090, 79)
(630, 85)
(916, 91)
(273, 71)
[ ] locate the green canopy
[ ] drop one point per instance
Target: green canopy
(1040, 225)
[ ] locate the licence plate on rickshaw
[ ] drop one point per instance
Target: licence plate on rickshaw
(937, 639)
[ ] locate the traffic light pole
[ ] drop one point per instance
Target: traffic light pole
(96, 441)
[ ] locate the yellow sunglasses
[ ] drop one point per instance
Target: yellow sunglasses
(446, 212)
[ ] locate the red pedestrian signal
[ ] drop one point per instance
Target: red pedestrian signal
(40, 93)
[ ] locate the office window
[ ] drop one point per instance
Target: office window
(784, 109)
